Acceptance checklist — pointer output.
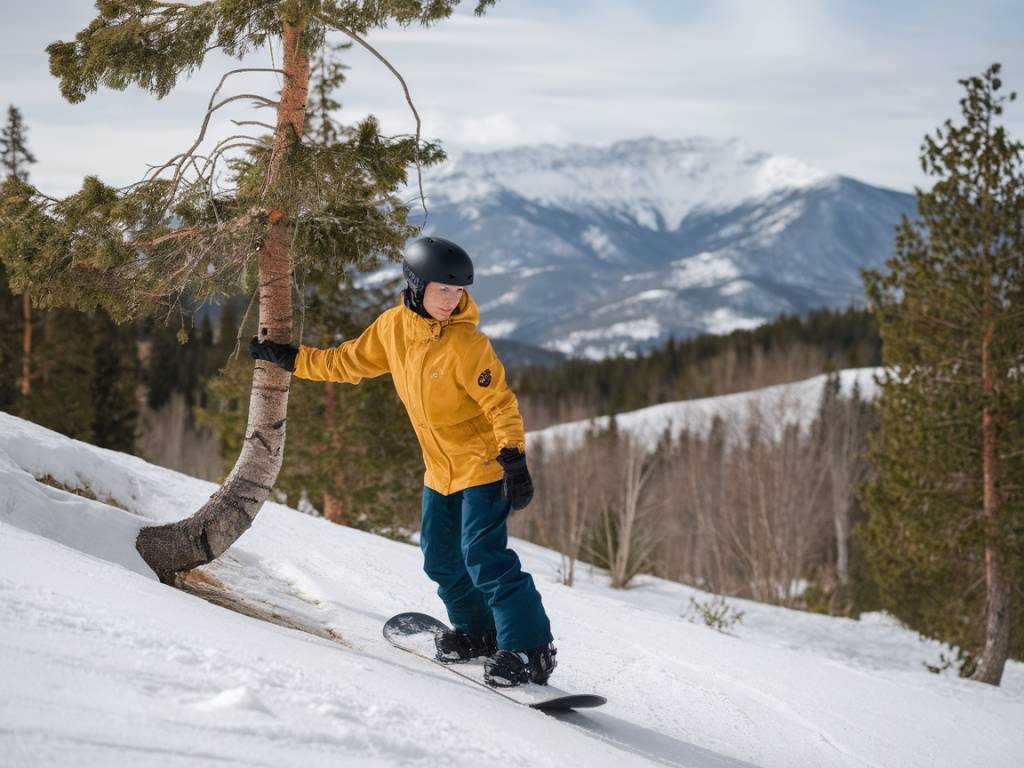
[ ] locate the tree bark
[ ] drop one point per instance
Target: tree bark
(201, 538)
(997, 603)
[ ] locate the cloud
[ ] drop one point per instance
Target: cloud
(849, 87)
(503, 129)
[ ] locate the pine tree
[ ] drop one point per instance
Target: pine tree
(116, 374)
(288, 205)
(13, 148)
(10, 349)
(947, 505)
(355, 449)
(327, 76)
(65, 393)
(16, 158)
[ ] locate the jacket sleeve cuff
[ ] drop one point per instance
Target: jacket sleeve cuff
(302, 363)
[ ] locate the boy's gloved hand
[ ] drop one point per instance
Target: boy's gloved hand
(517, 485)
(279, 354)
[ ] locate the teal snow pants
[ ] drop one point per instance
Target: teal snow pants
(464, 538)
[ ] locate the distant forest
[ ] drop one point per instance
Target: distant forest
(789, 348)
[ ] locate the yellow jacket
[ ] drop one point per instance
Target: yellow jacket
(450, 380)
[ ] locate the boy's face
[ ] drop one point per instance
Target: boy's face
(440, 300)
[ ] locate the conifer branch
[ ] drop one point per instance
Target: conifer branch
(249, 141)
(241, 325)
(254, 122)
(326, 19)
(182, 158)
(242, 221)
(235, 72)
(181, 6)
(209, 192)
(206, 121)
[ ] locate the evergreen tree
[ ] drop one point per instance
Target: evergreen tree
(288, 204)
(355, 454)
(10, 347)
(13, 148)
(947, 505)
(116, 376)
(82, 369)
(327, 76)
(16, 159)
(64, 396)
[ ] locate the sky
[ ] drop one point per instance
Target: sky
(850, 87)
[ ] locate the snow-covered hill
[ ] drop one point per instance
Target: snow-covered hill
(793, 403)
(101, 665)
(593, 251)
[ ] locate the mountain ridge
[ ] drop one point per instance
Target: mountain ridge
(601, 251)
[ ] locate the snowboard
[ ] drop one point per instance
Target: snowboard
(415, 632)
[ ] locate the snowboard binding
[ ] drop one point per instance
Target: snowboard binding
(509, 668)
(454, 647)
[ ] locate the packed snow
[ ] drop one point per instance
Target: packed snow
(101, 665)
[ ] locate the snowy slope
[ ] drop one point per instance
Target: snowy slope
(103, 666)
(793, 403)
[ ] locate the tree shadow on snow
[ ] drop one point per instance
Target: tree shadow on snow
(662, 749)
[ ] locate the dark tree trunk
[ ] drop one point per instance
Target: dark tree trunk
(997, 603)
(333, 509)
(26, 351)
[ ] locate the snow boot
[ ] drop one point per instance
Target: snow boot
(455, 647)
(508, 668)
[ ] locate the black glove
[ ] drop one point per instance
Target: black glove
(279, 354)
(517, 485)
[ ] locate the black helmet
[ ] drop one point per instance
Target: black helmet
(436, 260)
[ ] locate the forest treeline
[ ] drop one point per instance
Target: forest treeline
(761, 507)
(789, 348)
(129, 387)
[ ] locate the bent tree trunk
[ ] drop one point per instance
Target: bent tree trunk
(201, 538)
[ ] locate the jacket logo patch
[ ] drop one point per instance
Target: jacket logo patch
(484, 379)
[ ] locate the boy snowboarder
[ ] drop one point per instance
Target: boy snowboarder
(469, 427)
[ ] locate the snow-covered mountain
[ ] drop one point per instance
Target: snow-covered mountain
(101, 665)
(594, 251)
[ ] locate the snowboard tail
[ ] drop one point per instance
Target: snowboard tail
(415, 632)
